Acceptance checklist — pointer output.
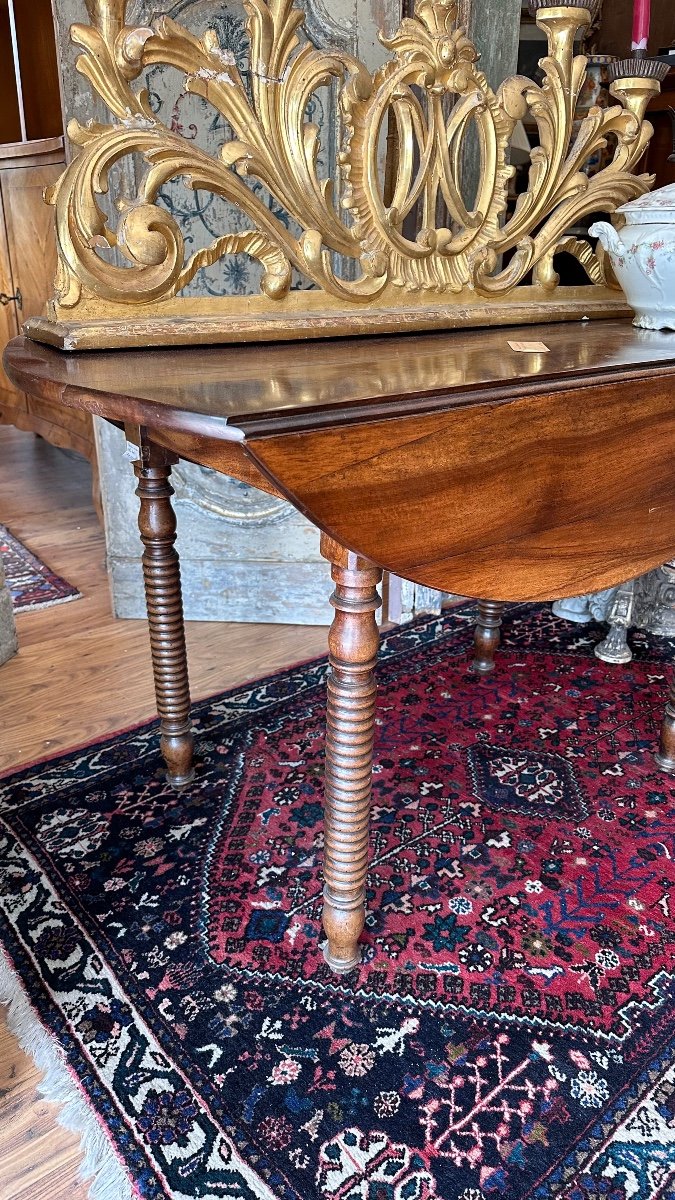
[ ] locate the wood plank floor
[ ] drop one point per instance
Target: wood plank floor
(80, 675)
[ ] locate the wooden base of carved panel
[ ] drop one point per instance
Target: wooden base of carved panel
(308, 314)
(353, 645)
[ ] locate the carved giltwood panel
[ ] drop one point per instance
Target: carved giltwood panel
(422, 252)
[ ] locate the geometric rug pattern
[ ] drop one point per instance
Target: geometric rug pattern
(32, 584)
(510, 1033)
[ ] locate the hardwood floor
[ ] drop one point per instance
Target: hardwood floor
(80, 675)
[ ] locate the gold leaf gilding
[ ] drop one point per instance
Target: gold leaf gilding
(427, 97)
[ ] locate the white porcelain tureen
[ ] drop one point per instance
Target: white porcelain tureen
(643, 256)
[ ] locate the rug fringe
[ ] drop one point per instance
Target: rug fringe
(100, 1167)
(42, 604)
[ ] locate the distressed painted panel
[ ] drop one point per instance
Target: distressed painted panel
(245, 556)
(286, 593)
(407, 600)
(494, 28)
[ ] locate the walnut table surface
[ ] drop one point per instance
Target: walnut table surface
(461, 461)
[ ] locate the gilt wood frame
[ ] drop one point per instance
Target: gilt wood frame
(452, 273)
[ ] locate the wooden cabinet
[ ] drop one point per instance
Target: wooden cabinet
(31, 158)
(661, 146)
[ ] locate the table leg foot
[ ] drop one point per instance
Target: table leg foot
(665, 757)
(488, 636)
(334, 946)
(178, 753)
(161, 574)
(353, 645)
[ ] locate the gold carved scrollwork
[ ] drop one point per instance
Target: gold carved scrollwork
(431, 90)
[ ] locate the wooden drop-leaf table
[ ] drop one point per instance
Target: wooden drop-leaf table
(451, 459)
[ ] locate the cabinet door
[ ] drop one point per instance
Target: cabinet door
(28, 264)
(30, 234)
(9, 326)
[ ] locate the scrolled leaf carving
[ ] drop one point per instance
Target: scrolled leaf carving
(428, 98)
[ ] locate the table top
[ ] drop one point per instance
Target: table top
(232, 392)
(452, 459)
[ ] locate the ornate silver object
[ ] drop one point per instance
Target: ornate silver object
(645, 603)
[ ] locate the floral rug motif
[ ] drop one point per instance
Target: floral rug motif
(31, 583)
(511, 1032)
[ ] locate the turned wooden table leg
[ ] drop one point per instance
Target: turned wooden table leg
(161, 573)
(665, 758)
(487, 637)
(353, 645)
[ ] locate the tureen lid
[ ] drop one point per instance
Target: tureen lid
(654, 206)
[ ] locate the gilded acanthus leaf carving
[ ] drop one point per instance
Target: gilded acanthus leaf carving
(414, 238)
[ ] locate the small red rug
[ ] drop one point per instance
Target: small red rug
(31, 582)
(511, 1032)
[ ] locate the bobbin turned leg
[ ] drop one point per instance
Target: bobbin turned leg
(665, 758)
(487, 638)
(161, 574)
(353, 645)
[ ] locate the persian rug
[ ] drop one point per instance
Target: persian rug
(510, 1034)
(31, 583)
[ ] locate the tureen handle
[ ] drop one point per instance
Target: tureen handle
(608, 237)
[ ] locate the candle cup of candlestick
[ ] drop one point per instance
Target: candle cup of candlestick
(636, 81)
(639, 65)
